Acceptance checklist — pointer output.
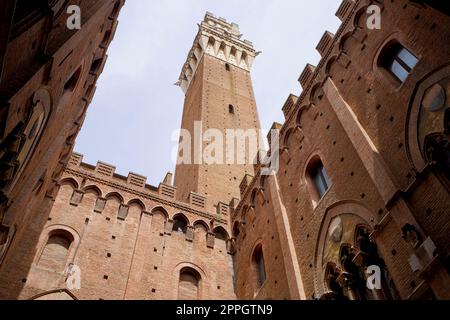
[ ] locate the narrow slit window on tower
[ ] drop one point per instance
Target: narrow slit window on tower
(231, 109)
(227, 67)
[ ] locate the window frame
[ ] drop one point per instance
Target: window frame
(390, 54)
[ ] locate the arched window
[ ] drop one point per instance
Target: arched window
(231, 109)
(398, 60)
(318, 179)
(227, 67)
(56, 250)
(180, 224)
(258, 266)
(221, 234)
(189, 284)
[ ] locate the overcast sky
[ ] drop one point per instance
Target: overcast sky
(137, 107)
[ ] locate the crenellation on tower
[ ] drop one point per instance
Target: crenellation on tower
(220, 39)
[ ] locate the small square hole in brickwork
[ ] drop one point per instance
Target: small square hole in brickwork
(379, 107)
(108, 219)
(155, 267)
(105, 277)
(49, 219)
(108, 255)
(363, 195)
(334, 143)
(24, 280)
(153, 290)
(352, 174)
(310, 265)
(218, 287)
(155, 250)
(113, 237)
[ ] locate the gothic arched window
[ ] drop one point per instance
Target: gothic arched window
(180, 223)
(258, 266)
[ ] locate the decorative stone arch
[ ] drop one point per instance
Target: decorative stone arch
(69, 182)
(221, 233)
(316, 93)
(67, 231)
(343, 41)
(93, 189)
(244, 211)
(116, 195)
(160, 210)
(201, 223)
(330, 63)
(415, 154)
(360, 17)
(287, 136)
(58, 294)
(339, 208)
(138, 203)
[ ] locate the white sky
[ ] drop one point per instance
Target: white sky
(136, 107)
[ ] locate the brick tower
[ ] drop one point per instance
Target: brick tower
(219, 96)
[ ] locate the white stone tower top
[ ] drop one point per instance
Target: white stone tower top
(221, 39)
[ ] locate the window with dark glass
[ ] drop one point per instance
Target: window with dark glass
(258, 260)
(399, 61)
(320, 179)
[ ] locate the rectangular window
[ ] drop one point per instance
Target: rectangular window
(321, 180)
(402, 63)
